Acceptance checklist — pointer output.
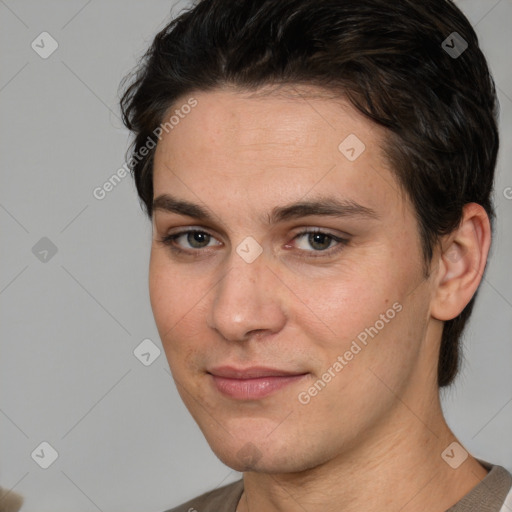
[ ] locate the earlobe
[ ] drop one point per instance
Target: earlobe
(462, 261)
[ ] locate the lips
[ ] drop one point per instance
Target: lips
(252, 383)
(253, 372)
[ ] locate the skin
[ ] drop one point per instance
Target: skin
(372, 438)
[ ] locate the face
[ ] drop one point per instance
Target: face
(286, 277)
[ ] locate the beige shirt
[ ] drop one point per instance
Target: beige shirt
(488, 496)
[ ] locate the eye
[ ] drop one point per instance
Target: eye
(320, 241)
(195, 239)
(191, 241)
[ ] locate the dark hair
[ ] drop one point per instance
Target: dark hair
(391, 60)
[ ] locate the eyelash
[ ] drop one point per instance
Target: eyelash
(169, 240)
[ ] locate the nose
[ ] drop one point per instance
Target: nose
(248, 300)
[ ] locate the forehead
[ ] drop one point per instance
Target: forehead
(289, 119)
(275, 147)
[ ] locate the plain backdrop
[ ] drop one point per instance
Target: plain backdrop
(70, 321)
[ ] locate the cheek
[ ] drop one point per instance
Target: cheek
(179, 303)
(367, 315)
(169, 296)
(341, 304)
(379, 353)
(160, 293)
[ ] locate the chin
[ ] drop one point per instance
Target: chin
(262, 456)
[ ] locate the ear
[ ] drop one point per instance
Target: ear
(462, 261)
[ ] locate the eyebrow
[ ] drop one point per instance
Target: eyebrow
(324, 206)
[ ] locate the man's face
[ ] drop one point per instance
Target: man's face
(341, 324)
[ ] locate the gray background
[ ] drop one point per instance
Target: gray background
(69, 325)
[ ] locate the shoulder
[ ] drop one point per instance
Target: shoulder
(223, 499)
(492, 494)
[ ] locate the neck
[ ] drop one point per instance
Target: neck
(397, 466)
